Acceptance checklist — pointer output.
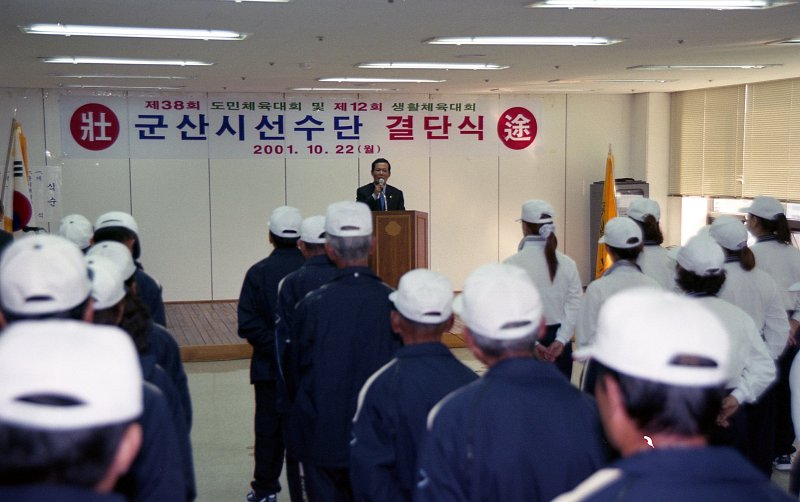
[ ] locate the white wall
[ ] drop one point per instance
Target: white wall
(204, 222)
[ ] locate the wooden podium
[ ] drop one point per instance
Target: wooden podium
(401, 243)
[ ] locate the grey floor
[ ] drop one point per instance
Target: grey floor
(222, 434)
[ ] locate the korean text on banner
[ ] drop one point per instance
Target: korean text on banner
(17, 199)
(608, 211)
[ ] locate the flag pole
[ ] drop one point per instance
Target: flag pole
(5, 167)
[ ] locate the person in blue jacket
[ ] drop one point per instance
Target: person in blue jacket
(64, 437)
(663, 361)
(256, 320)
(45, 277)
(520, 433)
(111, 306)
(316, 271)
(121, 227)
(394, 403)
(343, 335)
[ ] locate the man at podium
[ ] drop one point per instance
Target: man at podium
(378, 195)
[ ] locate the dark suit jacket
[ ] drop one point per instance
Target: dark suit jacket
(394, 198)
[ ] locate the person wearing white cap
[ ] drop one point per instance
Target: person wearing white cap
(755, 292)
(700, 274)
(653, 260)
(44, 276)
(393, 404)
(152, 338)
(70, 398)
(77, 229)
(343, 335)
(256, 324)
(316, 271)
(109, 294)
(555, 276)
(121, 227)
(521, 432)
(623, 240)
(659, 401)
(775, 254)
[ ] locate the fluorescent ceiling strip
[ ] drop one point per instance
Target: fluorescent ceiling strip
(145, 77)
(432, 66)
(381, 80)
(93, 60)
(662, 4)
(633, 81)
(128, 87)
(570, 41)
(340, 89)
(703, 67)
(791, 41)
(130, 32)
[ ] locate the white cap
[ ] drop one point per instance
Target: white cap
(77, 229)
(622, 233)
(95, 367)
(729, 232)
(312, 230)
(537, 211)
(348, 219)
(500, 302)
(646, 333)
(116, 219)
(108, 285)
(43, 274)
(118, 253)
(765, 207)
(701, 255)
(285, 222)
(424, 296)
(640, 207)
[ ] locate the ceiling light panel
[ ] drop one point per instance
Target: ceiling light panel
(702, 67)
(122, 61)
(662, 4)
(129, 32)
(512, 40)
(381, 80)
(431, 66)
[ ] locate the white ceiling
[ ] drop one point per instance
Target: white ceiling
(291, 45)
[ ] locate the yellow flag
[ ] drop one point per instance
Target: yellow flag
(608, 211)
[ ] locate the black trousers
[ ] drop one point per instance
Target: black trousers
(564, 361)
(269, 448)
(325, 484)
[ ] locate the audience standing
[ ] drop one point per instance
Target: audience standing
(390, 420)
(256, 316)
(343, 335)
(521, 432)
(659, 400)
(556, 277)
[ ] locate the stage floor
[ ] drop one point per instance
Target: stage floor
(206, 331)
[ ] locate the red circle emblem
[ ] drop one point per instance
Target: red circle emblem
(94, 126)
(517, 128)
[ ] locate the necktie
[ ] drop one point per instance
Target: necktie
(382, 199)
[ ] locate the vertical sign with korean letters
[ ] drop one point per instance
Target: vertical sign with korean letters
(94, 126)
(299, 126)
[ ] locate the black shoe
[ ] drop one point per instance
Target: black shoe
(253, 497)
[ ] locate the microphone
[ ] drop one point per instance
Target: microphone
(381, 181)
